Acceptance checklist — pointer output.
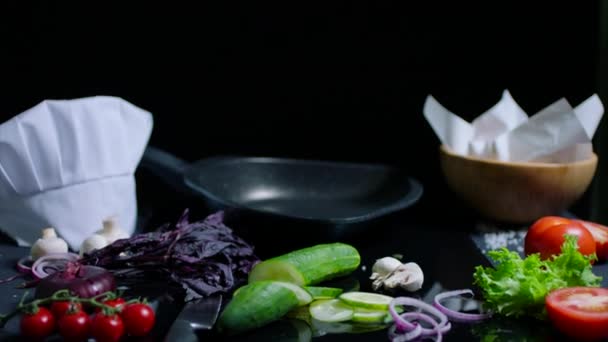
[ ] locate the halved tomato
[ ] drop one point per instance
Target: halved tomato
(579, 312)
(600, 235)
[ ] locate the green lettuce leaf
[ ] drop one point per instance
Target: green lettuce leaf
(517, 287)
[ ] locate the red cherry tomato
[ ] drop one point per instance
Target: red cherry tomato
(38, 325)
(107, 328)
(115, 303)
(60, 308)
(579, 312)
(600, 235)
(138, 318)
(74, 326)
(548, 240)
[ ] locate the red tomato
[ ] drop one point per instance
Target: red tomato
(138, 319)
(548, 240)
(115, 303)
(600, 235)
(74, 326)
(542, 224)
(38, 325)
(579, 312)
(60, 308)
(107, 328)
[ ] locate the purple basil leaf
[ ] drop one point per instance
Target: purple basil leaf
(203, 257)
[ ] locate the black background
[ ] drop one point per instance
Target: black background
(334, 80)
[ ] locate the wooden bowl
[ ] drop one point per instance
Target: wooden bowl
(516, 192)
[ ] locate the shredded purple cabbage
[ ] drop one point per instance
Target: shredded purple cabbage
(203, 257)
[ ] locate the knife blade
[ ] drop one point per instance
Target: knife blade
(196, 315)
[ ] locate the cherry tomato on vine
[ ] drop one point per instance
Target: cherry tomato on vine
(107, 328)
(74, 326)
(138, 318)
(115, 303)
(37, 325)
(60, 308)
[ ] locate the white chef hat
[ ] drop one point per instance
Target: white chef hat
(69, 164)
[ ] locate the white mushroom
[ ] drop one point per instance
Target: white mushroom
(93, 242)
(47, 244)
(390, 273)
(111, 231)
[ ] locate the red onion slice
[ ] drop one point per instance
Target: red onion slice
(405, 322)
(407, 301)
(456, 315)
(419, 316)
(52, 263)
(394, 336)
(24, 265)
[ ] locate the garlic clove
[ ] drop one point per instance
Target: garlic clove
(385, 266)
(49, 243)
(408, 277)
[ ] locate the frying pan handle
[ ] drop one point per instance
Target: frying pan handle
(169, 168)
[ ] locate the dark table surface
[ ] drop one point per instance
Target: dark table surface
(445, 250)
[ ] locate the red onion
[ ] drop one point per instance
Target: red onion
(457, 315)
(408, 336)
(408, 326)
(24, 265)
(81, 280)
(419, 316)
(52, 263)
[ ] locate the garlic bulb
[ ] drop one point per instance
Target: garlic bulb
(111, 231)
(390, 273)
(47, 244)
(93, 242)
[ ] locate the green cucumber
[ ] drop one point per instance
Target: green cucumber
(304, 298)
(309, 266)
(323, 328)
(369, 316)
(366, 300)
(256, 305)
(318, 292)
(331, 310)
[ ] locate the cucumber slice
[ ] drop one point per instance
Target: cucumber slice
(309, 266)
(323, 328)
(318, 292)
(369, 316)
(304, 298)
(366, 300)
(331, 310)
(301, 313)
(256, 305)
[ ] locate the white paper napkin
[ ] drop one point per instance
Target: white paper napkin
(558, 133)
(69, 164)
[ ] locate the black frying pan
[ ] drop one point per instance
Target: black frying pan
(324, 200)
